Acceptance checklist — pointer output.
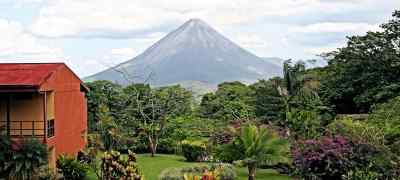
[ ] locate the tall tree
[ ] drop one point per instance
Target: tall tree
(269, 104)
(366, 71)
(103, 93)
(232, 100)
(158, 106)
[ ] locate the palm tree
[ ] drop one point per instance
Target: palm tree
(298, 88)
(261, 146)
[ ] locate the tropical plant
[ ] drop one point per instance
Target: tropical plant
(211, 172)
(268, 102)
(26, 158)
(386, 116)
(104, 93)
(358, 131)
(364, 72)
(327, 158)
(46, 173)
(5, 153)
(304, 124)
(299, 91)
(71, 168)
(194, 151)
(155, 108)
(361, 174)
(108, 129)
(232, 100)
(260, 146)
(114, 166)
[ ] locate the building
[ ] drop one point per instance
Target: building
(45, 101)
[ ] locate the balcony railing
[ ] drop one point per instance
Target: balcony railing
(23, 128)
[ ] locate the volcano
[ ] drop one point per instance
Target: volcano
(194, 53)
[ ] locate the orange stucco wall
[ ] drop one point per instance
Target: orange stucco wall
(70, 113)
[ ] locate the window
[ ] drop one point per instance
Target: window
(50, 128)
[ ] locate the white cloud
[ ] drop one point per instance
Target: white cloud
(16, 44)
(321, 50)
(124, 18)
(336, 27)
(76, 17)
(251, 40)
(124, 52)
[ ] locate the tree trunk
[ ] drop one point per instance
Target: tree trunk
(153, 146)
(152, 150)
(252, 171)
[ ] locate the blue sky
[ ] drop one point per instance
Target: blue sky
(90, 35)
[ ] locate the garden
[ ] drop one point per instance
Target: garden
(292, 127)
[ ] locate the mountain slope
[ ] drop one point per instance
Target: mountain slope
(193, 52)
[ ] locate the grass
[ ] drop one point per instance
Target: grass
(152, 167)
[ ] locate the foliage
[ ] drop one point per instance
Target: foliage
(378, 160)
(46, 173)
(325, 158)
(5, 152)
(94, 141)
(188, 128)
(89, 157)
(304, 124)
(70, 168)
(115, 166)
(299, 87)
(232, 100)
(368, 148)
(258, 146)
(387, 117)
(364, 72)
(269, 104)
(361, 174)
(213, 172)
(358, 131)
(151, 113)
(26, 158)
(108, 129)
(153, 166)
(103, 93)
(194, 151)
(229, 152)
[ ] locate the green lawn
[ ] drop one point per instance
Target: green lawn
(152, 167)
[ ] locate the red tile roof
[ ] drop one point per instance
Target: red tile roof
(26, 74)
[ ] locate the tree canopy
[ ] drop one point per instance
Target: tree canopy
(364, 72)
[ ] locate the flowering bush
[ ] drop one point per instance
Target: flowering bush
(213, 172)
(326, 158)
(114, 166)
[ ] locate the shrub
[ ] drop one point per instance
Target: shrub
(45, 173)
(223, 171)
(195, 151)
(70, 168)
(116, 166)
(228, 153)
(387, 117)
(215, 171)
(5, 153)
(368, 148)
(26, 158)
(361, 174)
(325, 158)
(304, 124)
(358, 131)
(166, 146)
